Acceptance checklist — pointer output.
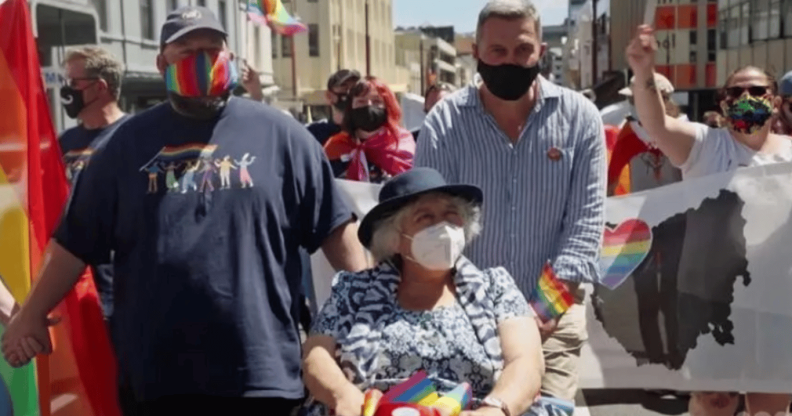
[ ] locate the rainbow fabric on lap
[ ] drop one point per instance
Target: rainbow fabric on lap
(419, 390)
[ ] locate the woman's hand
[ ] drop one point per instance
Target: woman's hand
(641, 51)
(350, 403)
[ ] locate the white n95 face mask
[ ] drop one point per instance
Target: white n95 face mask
(438, 247)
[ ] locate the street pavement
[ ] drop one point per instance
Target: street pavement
(612, 402)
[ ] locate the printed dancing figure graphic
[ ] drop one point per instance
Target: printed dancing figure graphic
(153, 170)
(225, 165)
(170, 177)
(207, 169)
(244, 174)
(188, 180)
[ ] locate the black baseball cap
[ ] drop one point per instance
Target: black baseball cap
(187, 19)
(341, 77)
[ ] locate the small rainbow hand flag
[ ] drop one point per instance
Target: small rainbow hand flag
(273, 14)
(550, 298)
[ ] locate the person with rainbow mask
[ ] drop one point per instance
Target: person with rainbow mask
(206, 281)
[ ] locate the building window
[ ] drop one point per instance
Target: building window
(760, 20)
(723, 28)
(775, 19)
(221, 13)
(202, 3)
(733, 27)
(313, 40)
(745, 24)
(786, 12)
(257, 45)
(173, 5)
(286, 46)
(147, 19)
(101, 11)
(273, 43)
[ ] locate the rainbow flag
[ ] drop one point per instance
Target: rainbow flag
(550, 298)
(419, 392)
(273, 14)
(416, 389)
(80, 374)
(456, 400)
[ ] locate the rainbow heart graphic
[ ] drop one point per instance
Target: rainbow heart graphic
(623, 249)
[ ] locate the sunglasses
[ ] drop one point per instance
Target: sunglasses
(72, 82)
(753, 90)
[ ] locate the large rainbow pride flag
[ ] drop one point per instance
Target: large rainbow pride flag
(79, 377)
(272, 13)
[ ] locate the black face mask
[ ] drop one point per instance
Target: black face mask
(508, 82)
(204, 108)
(369, 118)
(72, 100)
(342, 102)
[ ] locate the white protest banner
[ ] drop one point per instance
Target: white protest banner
(697, 281)
(708, 308)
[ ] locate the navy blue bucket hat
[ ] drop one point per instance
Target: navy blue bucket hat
(406, 187)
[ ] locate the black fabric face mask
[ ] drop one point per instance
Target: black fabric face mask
(342, 102)
(204, 108)
(369, 118)
(72, 101)
(508, 82)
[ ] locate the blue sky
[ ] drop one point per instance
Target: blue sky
(462, 13)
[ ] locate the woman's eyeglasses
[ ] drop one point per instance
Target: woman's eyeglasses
(753, 90)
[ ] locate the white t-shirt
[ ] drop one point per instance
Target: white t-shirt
(715, 151)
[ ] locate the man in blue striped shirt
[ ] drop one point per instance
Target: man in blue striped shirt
(538, 152)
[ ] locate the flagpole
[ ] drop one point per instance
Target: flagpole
(246, 35)
(294, 55)
(368, 41)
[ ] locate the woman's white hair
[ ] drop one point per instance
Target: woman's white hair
(386, 236)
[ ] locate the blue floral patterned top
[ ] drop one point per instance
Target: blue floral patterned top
(381, 344)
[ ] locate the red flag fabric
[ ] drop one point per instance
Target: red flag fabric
(32, 166)
(393, 155)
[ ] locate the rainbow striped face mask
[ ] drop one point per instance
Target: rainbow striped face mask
(202, 75)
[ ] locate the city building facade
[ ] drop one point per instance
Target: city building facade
(580, 49)
(336, 39)
(130, 30)
(686, 32)
(754, 32)
(435, 56)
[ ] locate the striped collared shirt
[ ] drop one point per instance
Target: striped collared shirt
(543, 196)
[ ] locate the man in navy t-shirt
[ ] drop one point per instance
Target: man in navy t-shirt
(90, 94)
(205, 201)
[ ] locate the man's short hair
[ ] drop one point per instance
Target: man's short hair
(99, 63)
(341, 77)
(438, 87)
(509, 9)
